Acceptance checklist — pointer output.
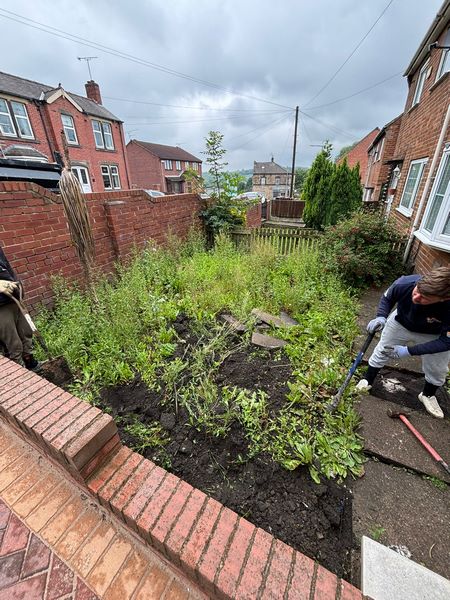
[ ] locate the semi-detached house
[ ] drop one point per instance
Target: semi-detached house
(40, 116)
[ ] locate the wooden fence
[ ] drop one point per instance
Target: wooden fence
(286, 208)
(285, 240)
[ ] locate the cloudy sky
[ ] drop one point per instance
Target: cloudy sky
(257, 59)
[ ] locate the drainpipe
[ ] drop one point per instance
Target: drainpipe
(427, 186)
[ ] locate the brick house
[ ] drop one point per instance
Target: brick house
(33, 114)
(271, 180)
(421, 201)
(358, 154)
(160, 167)
(381, 162)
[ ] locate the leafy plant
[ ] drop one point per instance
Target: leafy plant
(146, 436)
(376, 532)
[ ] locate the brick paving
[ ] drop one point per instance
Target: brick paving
(56, 543)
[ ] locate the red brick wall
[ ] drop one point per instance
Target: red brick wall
(253, 217)
(145, 168)
(379, 172)
(359, 154)
(426, 259)
(35, 237)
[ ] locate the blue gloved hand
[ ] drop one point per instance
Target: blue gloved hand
(400, 352)
(376, 324)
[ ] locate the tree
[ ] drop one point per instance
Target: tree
(195, 182)
(245, 185)
(346, 193)
(214, 154)
(300, 177)
(317, 189)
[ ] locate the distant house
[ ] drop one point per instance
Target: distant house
(160, 167)
(271, 180)
(421, 200)
(358, 154)
(34, 114)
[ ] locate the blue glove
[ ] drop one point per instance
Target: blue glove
(400, 352)
(376, 324)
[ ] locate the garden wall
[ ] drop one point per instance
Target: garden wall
(35, 237)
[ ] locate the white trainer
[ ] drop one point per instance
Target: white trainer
(431, 405)
(363, 386)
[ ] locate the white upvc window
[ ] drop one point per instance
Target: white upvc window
(110, 174)
(378, 150)
(420, 83)
(103, 135)
(411, 186)
(444, 64)
(178, 165)
(167, 165)
(14, 121)
(195, 166)
(69, 129)
(262, 181)
(368, 192)
(435, 226)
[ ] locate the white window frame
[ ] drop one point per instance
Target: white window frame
(435, 237)
(69, 128)
(14, 120)
(408, 210)
(444, 64)
(378, 150)
(168, 165)
(262, 180)
(178, 165)
(195, 166)
(368, 193)
(112, 172)
(102, 131)
(420, 84)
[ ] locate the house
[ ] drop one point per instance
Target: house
(38, 115)
(358, 154)
(271, 180)
(421, 200)
(160, 167)
(381, 163)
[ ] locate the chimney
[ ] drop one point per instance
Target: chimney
(93, 91)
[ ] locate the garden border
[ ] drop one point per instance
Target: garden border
(227, 556)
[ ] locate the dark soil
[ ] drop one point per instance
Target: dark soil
(315, 519)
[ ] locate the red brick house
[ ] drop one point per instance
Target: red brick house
(160, 167)
(358, 154)
(33, 114)
(381, 162)
(421, 201)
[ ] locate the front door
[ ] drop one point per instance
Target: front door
(82, 174)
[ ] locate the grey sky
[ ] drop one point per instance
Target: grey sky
(283, 52)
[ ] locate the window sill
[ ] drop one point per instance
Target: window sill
(14, 138)
(441, 79)
(403, 211)
(432, 243)
(113, 150)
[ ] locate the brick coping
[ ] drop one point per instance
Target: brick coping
(227, 556)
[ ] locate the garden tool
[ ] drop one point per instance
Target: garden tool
(337, 398)
(56, 368)
(403, 416)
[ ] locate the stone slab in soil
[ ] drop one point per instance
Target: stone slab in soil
(403, 509)
(281, 321)
(386, 574)
(267, 341)
(234, 323)
(392, 441)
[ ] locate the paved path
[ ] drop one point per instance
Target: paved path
(58, 543)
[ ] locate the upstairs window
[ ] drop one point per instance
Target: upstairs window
(195, 166)
(14, 121)
(69, 129)
(444, 65)
(103, 135)
(411, 186)
(420, 83)
(178, 165)
(167, 165)
(277, 181)
(262, 180)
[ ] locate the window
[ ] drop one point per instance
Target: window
(411, 186)
(14, 121)
(444, 65)
(368, 193)
(167, 165)
(178, 165)
(195, 166)
(420, 83)
(103, 135)
(69, 129)
(378, 150)
(110, 174)
(262, 180)
(277, 181)
(435, 228)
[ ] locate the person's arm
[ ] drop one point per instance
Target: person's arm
(388, 300)
(440, 344)
(7, 266)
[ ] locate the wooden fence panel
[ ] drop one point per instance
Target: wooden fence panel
(287, 208)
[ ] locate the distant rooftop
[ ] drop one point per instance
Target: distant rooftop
(260, 168)
(167, 152)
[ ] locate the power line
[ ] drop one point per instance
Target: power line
(349, 56)
(108, 50)
(211, 120)
(252, 130)
(268, 127)
(328, 126)
(146, 102)
(356, 93)
(162, 119)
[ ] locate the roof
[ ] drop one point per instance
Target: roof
(166, 152)
(260, 168)
(440, 22)
(32, 90)
(383, 130)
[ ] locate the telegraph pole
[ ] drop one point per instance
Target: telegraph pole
(291, 194)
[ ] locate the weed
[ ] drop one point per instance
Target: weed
(441, 485)
(376, 532)
(146, 436)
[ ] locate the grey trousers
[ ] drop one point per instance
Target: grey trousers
(15, 333)
(435, 366)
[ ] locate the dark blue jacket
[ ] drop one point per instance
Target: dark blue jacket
(429, 318)
(6, 272)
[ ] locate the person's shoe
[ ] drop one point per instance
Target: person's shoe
(363, 386)
(31, 363)
(431, 405)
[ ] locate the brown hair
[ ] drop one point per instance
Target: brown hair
(436, 283)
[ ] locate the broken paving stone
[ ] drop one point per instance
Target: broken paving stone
(234, 323)
(267, 341)
(282, 321)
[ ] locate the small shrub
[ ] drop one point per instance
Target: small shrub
(361, 250)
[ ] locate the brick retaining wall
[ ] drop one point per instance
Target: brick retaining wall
(225, 554)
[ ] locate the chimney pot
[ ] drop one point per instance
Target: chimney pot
(93, 91)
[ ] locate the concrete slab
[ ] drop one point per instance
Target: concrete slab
(392, 441)
(403, 509)
(283, 321)
(234, 323)
(267, 341)
(385, 575)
